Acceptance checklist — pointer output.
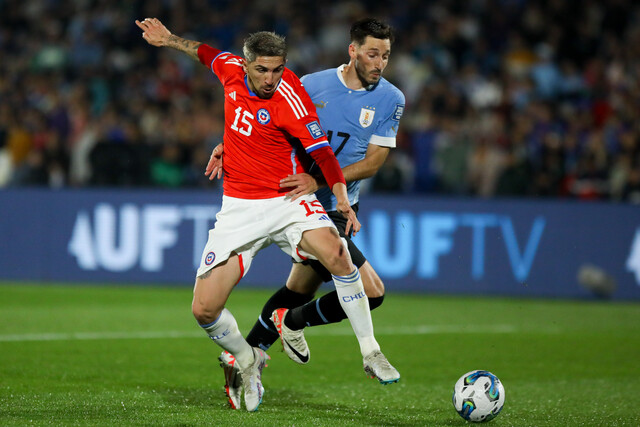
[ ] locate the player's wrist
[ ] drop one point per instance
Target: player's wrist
(342, 198)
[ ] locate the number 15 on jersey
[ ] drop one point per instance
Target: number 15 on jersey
(243, 117)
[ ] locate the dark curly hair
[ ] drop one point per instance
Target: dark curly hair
(370, 27)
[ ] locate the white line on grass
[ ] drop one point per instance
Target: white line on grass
(72, 336)
(388, 330)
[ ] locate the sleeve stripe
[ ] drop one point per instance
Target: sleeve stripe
(216, 57)
(297, 98)
(317, 145)
(292, 102)
(289, 102)
(383, 141)
(296, 105)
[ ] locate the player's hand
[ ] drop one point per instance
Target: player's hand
(155, 33)
(353, 225)
(214, 167)
(302, 184)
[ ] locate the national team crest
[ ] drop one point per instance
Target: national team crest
(208, 260)
(366, 117)
(263, 116)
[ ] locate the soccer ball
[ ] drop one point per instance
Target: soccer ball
(478, 396)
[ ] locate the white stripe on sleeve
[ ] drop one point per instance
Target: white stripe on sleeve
(383, 141)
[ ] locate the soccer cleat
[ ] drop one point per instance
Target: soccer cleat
(252, 380)
(377, 366)
(293, 341)
(232, 378)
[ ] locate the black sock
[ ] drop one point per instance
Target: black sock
(375, 302)
(322, 311)
(263, 337)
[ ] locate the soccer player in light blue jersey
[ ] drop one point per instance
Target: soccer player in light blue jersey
(360, 111)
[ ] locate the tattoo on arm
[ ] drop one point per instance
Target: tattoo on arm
(189, 47)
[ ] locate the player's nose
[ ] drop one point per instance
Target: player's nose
(269, 78)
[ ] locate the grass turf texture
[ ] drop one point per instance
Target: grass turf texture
(74, 355)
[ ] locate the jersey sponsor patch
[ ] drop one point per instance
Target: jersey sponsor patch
(366, 117)
(315, 130)
(263, 116)
(398, 113)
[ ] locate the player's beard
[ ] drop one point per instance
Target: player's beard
(365, 77)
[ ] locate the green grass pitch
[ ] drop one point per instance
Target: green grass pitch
(107, 355)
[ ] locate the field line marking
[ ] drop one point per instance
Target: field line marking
(79, 336)
(333, 331)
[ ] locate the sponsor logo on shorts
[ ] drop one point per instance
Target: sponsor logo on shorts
(208, 260)
(263, 116)
(315, 130)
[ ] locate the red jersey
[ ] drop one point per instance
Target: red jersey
(263, 137)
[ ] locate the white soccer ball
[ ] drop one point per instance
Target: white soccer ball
(478, 396)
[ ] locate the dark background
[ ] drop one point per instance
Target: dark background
(504, 98)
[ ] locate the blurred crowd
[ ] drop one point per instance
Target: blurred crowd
(505, 98)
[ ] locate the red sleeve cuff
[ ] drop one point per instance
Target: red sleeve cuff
(207, 54)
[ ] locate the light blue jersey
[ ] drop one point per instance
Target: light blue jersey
(353, 119)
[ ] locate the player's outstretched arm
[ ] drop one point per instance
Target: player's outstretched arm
(156, 34)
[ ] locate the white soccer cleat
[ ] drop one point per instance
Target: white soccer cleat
(293, 341)
(377, 366)
(252, 380)
(232, 378)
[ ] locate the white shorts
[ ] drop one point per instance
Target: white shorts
(245, 226)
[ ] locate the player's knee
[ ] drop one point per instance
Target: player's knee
(375, 302)
(205, 315)
(341, 260)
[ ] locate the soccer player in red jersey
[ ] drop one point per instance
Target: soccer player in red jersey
(270, 122)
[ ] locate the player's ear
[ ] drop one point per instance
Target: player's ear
(352, 50)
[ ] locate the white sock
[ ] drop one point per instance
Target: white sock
(224, 332)
(355, 304)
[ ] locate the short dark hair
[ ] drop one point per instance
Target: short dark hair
(370, 27)
(264, 43)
